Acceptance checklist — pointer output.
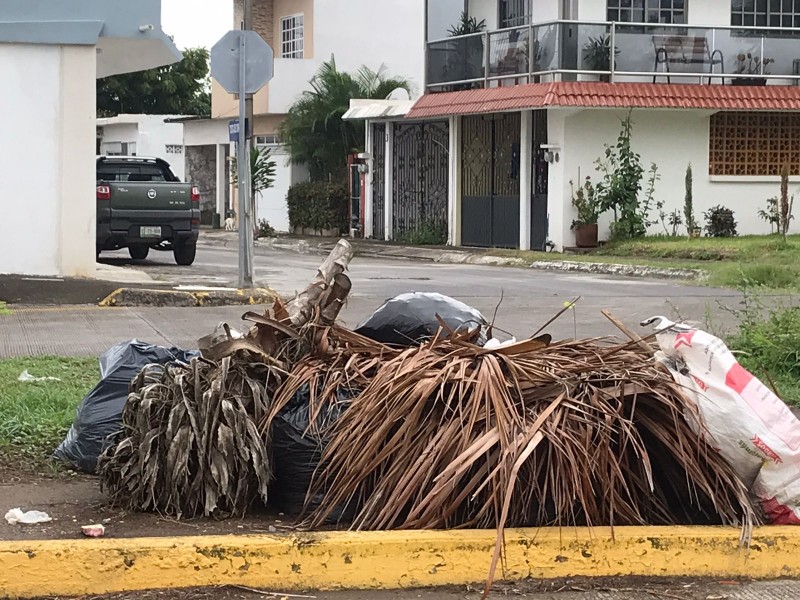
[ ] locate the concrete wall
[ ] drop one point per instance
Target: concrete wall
(671, 139)
(49, 228)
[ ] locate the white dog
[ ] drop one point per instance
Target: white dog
(230, 224)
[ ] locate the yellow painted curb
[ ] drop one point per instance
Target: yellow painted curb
(372, 560)
(126, 297)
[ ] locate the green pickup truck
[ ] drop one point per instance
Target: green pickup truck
(142, 205)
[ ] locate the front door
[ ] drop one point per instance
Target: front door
(540, 169)
(490, 180)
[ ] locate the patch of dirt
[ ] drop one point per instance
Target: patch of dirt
(77, 500)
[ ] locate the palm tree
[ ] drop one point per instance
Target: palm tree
(314, 131)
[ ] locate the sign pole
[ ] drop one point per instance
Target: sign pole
(243, 172)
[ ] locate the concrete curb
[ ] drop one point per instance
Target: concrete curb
(130, 297)
(389, 560)
(461, 257)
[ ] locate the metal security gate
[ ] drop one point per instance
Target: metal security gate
(490, 180)
(420, 172)
(378, 180)
(540, 172)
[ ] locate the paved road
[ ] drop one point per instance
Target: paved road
(529, 299)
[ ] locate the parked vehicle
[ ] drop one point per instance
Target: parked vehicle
(141, 205)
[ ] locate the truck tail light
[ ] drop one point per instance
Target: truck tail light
(103, 192)
(195, 194)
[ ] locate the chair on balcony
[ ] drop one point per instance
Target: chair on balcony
(686, 50)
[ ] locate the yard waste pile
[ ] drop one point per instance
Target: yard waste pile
(433, 431)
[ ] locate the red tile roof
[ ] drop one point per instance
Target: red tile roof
(607, 95)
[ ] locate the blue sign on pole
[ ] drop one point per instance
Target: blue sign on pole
(233, 129)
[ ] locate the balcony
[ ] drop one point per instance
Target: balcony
(616, 52)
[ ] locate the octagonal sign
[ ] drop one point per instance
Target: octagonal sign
(258, 58)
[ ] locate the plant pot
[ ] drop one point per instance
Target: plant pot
(759, 81)
(586, 236)
(695, 233)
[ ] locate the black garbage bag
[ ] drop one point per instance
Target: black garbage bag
(408, 319)
(100, 413)
(296, 452)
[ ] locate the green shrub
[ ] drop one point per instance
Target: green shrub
(429, 233)
(768, 344)
(264, 229)
(318, 205)
(720, 222)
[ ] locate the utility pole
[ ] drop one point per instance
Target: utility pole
(243, 164)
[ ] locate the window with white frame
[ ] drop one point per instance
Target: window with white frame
(292, 36)
(268, 140)
(647, 11)
(765, 13)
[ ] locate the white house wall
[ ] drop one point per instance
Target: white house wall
(271, 203)
(671, 139)
(152, 136)
(57, 204)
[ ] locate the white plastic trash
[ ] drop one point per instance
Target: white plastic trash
(32, 517)
(749, 425)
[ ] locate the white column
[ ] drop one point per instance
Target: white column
(222, 166)
(75, 130)
(454, 183)
(368, 225)
(525, 179)
(389, 181)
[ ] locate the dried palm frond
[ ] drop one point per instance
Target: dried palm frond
(189, 443)
(578, 433)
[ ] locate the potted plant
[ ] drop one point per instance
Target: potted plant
(465, 56)
(597, 55)
(587, 205)
(748, 63)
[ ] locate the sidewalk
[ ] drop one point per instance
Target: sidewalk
(217, 238)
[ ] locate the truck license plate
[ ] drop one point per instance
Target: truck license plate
(150, 232)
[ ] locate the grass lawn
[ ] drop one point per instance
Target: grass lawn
(34, 416)
(761, 261)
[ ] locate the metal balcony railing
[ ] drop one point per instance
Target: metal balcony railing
(610, 51)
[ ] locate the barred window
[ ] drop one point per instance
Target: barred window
(754, 143)
(647, 11)
(513, 13)
(292, 37)
(765, 13)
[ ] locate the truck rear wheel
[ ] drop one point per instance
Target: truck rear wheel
(185, 253)
(138, 252)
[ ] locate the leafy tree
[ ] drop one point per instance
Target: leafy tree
(178, 89)
(314, 131)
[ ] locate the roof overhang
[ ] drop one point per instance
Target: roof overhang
(127, 34)
(377, 109)
(586, 94)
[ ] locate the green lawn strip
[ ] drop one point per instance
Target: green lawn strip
(34, 416)
(4, 310)
(765, 262)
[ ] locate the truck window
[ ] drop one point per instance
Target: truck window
(133, 172)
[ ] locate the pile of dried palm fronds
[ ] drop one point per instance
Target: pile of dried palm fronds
(189, 445)
(190, 442)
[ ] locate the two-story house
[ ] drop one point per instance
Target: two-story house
(521, 105)
(303, 34)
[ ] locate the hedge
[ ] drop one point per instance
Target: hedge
(318, 205)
